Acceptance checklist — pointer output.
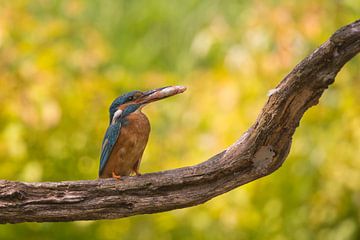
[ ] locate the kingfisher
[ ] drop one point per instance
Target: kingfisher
(128, 132)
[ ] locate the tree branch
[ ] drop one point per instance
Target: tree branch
(259, 152)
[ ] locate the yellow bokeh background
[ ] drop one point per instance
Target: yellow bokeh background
(63, 62)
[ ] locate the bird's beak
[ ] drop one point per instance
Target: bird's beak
(160, 93)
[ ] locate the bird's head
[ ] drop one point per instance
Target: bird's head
(135, 100)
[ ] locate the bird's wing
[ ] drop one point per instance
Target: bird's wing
(111, 135)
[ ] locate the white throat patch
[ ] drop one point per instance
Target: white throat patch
(117, 114)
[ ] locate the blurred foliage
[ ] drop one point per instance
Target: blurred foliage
(63, 62)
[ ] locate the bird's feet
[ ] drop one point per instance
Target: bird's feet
(137, 173)
(117, 177)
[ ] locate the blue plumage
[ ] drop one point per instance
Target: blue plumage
(111, 135)
(121, 100)
(113, 132)
(128, 132)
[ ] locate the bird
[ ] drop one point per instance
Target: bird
(128, 132)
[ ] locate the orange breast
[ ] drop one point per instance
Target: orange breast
(130, 145)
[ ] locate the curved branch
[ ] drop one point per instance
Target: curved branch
(259, 152)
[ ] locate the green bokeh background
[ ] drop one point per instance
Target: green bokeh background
(63, 62)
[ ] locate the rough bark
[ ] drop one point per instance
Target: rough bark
(261, 150)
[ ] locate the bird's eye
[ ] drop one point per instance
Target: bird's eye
(130, 98)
